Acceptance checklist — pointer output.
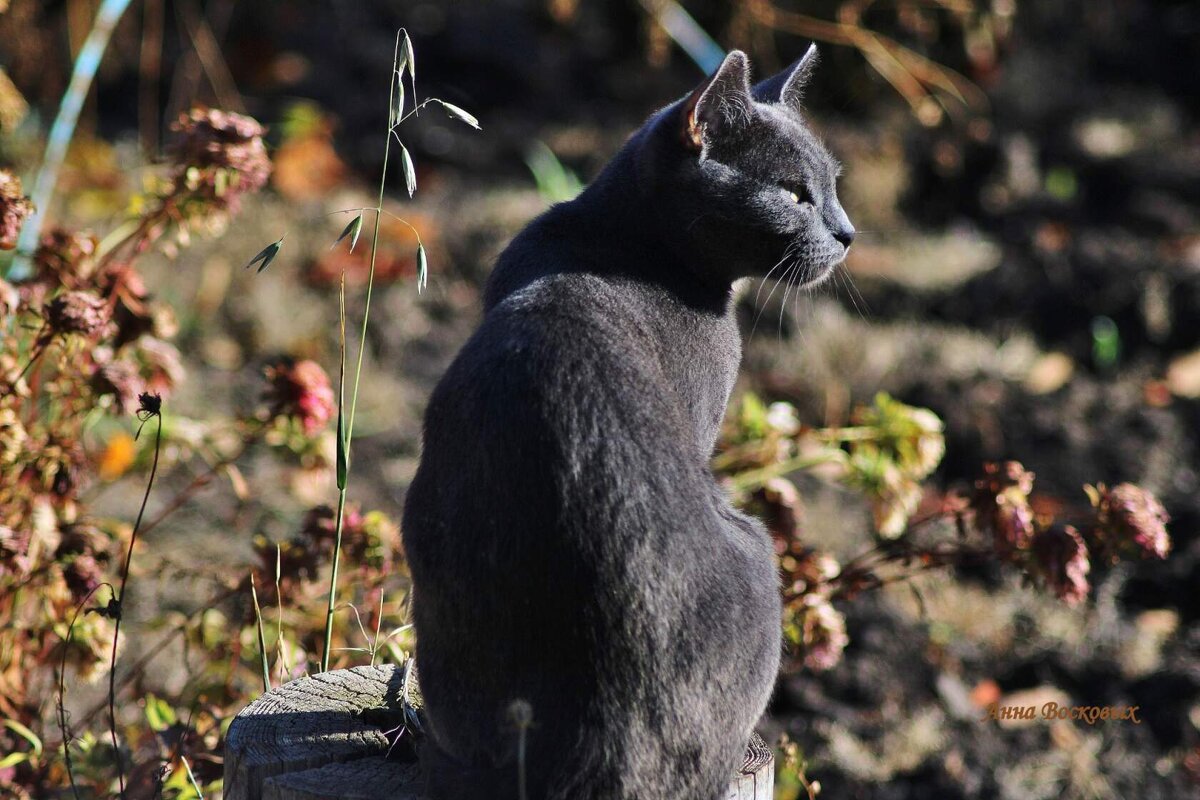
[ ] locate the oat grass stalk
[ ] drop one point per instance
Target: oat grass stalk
(403, 61)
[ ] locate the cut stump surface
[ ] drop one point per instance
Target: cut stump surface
(322, 738)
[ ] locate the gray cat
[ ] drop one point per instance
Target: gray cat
(570, 550)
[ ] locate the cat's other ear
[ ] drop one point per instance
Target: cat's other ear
(720, 104)
(787, 88)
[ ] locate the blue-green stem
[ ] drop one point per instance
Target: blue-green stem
(63, 129)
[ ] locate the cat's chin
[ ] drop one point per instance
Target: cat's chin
(821, 274)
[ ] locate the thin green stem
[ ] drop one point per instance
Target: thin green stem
(192, 778)
(757, 477)
(333, 580)
(362, 348)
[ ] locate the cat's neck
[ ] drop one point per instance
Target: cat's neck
(613, 228)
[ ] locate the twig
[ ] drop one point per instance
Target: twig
(62, 687)
(119, 598)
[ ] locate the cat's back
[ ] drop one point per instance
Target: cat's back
(553, 350)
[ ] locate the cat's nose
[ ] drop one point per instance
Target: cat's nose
(845, 235)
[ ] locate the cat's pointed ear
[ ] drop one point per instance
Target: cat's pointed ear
(720, 104)
(787, 88)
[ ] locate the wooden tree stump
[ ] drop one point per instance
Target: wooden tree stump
(322, 738)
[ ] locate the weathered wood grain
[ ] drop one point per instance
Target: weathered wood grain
(321, 738)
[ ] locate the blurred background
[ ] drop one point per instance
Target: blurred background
(1025, 177)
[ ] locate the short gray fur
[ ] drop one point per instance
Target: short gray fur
(568, 544)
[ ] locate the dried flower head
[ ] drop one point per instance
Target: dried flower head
(77, 312)
(809, 571)
(15, 208)
(220, 156)
(149, 405)
(1060, 557)
(820, 631)
(1001, 505)
(301, 390)
(1131, 518)
(65, 258)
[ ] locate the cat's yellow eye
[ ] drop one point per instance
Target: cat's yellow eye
(795, 197)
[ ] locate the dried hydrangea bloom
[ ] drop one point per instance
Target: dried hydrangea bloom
(1061, 558)
(822, 633)
(15, 208)
(220, 156)
(1001, 505)
(1131, 518)
(77, 312)
(301, 390)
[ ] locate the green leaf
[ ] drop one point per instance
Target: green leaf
(460, 114)
(352, 230)
(12, 759)
(159, 713)
(409, 58)
(422, 269)
(343, 457)
(343, 447)
(266, 255)
(34, 741)
(410, 172)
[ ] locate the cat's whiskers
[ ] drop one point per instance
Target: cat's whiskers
(807, 293)
(787, 276)
(852, 290)
(787, 253)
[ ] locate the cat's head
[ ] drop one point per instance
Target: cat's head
(753, 189)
